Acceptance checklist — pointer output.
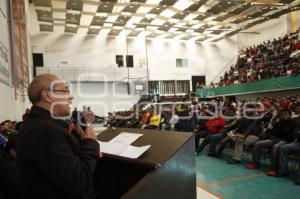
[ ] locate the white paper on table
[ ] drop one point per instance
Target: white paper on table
(125, 138)
(134, 151)
(103, 146)
(123, 150)
(112, 148)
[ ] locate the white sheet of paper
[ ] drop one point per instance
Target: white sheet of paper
(103, 146)
(123, 150)
(112, 148)
(134, 152)
(120, 145)
(126, 138)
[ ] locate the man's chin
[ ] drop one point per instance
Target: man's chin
(67, 115)
(62, 115)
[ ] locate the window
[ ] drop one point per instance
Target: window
(183, 86)
(181, 63)
(153, 86)
(167, 87)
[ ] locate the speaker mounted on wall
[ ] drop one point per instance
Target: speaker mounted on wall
(119, 60)
(129, 61)
(38, 59)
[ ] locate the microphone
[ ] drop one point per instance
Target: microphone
(111, 128)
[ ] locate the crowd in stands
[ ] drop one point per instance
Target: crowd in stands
(267, 123)
(270, 59)
(8, 143)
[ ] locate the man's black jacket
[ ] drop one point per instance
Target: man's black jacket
(53, 163)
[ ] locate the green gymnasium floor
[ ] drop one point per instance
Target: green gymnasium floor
(222, 180)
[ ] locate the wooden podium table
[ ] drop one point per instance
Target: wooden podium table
(166, 170)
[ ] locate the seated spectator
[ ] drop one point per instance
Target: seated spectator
(287, 149)
(213, 126)
(8, 170)
(170, 121)
(111, 120)
(145, 118)
(268, 126)
(5, 131)
(153, 121)
(6, 128)
(245, 134)
(133, 122)
(222, 139)
(282, 133)
(200, 129)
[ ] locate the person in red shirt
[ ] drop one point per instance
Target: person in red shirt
(213, 126)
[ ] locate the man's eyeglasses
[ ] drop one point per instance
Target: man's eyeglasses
(57, 90)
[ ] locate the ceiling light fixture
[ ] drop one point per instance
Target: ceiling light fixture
(267, 4)
(153, 25)
(249, 32)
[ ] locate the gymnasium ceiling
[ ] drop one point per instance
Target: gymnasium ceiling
(198, 20)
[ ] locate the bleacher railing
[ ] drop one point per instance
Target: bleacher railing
(95, 74)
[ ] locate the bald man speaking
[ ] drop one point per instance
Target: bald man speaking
(52, 163)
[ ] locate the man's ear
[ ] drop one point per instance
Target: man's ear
(46, 96)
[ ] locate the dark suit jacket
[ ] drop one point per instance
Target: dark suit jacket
(8, 178)
(53, 163)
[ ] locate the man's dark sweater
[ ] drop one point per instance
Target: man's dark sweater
(284, 130)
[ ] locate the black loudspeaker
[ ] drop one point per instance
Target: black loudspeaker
(119, 60)
(38, 59)
(129, 61)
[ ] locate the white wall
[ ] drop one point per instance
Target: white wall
(100, 51)
(103, 97)
(219, 56)
(11, 108)
(96, 51)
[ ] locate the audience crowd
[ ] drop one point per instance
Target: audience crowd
(268, 125)
(270, 59)
(265, 126)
